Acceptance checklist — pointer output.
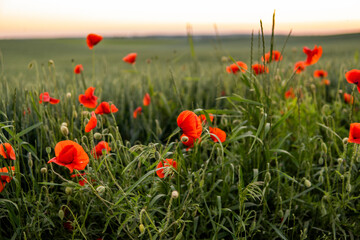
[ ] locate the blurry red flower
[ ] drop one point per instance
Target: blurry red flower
(88, 99)
(137, 111)
(276, 56)
(203, 118)
(325, 81)
(146, 100)
(259, 69)
(190, 124)
(348, 98)
(45, 97)
(81, 181)
(312, 55)
(98, 149)
(68, 226)
(167, 164)
(219, 133)
(234, 68)
(187, 141)
(4, 178)
(320, 73)
(353, 76)
(93, 39)
(7, 151)
(299, 67)
(92, 122)
(71, 155)
(104, 108)
(290, 93)
(354, 135)
(78, 69)
(130, 58)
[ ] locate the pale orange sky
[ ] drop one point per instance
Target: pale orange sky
(66, 18)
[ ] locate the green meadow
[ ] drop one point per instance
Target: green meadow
(285, 171)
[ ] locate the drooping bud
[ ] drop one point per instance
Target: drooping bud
(100, 189)
(142, 228)
(97, 136)
(174, 194)
(68, 95)
(64, 130)
(61, 214)
(307, 183)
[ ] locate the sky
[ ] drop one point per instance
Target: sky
(77, 18)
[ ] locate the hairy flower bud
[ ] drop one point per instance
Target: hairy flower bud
(68, 190)
(64, 130)
(97, 136)
(175, 194)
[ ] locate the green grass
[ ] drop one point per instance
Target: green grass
(284, 171)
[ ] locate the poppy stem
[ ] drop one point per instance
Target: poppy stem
(93, 63)
(352, 106)
(83, 80)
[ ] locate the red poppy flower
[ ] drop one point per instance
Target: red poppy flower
(354, 135)
(98, 149)
(234, 68)
(130, 58)
(92, 39)
(92, 122)
(187, 141)
(5, 178)
(299, 67)
(276, 56)
(7, 151)
(78, 69)
(203, 118)
(190, 124)
(68, 226)
(290, 93)
(81, 181)
(220, 134)
(71, 155)
(259, 69)
(353, 76)
(146, 100)
(88, 99)
(320, 73)
(104, 108)
(167, 164)
(45, 97)
(348, 98)
(312, 55)
(137, 111)
(325, 81)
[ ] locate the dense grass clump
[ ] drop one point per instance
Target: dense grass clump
(285, 171)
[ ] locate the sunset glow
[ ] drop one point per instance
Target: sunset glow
(28, 19)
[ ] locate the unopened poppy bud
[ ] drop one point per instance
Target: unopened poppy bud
(307, 183)
(281, 213)
(30, 161)
(345, 140)
(64, 130)
(324, 147)
(85, 113)
(100, 189)
(321, 161)
(68, 95)
(61, 214)
(175, 194)
(48, 150)
(75, 115)
(321, 179)
(43, 170)
(267, 177)
(51, 62)
(184, 139)
(224, 59)
(340, 160)
(64, 124)
(97, 136)
(68, 190)
(313, 87)
(348, 187)
(142, 228)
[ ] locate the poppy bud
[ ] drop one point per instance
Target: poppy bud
(307, 183)
(64, 130)
(267, 177)
(142, 228)
(184, 139)
(75, 115)
(48, 150)
(324, 147)
(97, 136)
(321, 179)
(321, 161)
(68, 190)
(340, 160)
(51, 62)
(100, 189)
(345, 140)
(61, 214)
(281, 213)
(30, 161)
(68, 95)
(43, 170)
(64, 124)
(175, 194)
(348, 187)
